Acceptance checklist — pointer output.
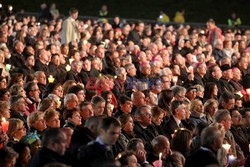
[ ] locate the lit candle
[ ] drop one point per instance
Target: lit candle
(59, 103)
(191, 69)
(71, 60)
(5, 125)
(175, 79)
(248, 90)
(231, 158)
(226, 147)
(51, 79)
(68, 68)
(8, 66)
(249, 147)
(160, 155)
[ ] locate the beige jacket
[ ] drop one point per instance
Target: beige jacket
(69, 31)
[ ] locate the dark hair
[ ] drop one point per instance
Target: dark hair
(175, 104)
(83, 104)
(165, 98)
(104, 94)
(209, 88)
(226, 96)
(124, 158)
(133, 143)
(75, 89)
(51, 135)
(181, 141)
(28, 86)
(68, 113)
(124, 119)
(107, 122)
(73, 10)
(5, 154)
(123, 99)
(97, 99)
(90, 93)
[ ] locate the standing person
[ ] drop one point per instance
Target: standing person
(70, 28)
(214, 32)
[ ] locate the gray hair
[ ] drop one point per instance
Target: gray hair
(210, 133)
(178, 89)
(220, 115)
(69, 97)
(158, 140)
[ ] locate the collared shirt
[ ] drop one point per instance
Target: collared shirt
(177, 120)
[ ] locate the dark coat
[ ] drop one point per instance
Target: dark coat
(94, 154)
(170, 127)
(14, 114)
(39, 66)
(199, 80)
(202, 158)
(135, 37)
(17, 60)
(226, 86)
(73, 76)
(24, 70)
(43, 157)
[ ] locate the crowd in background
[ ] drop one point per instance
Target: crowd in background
(98, 93)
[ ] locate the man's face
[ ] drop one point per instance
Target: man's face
(22, 105)
(166, 83)
(30, 61)
(35, 93)
(87, 112)
(86, 65)
(237, 74)
(236, 118)
(181, 112)
(146, 69)
(132, 71)
(60, 147)
(146, 116)
(39, 124)
(247, 119)
(217, 73)
(127, 107)
(228, 105)
(165, 148)
(99, 108)
(42, 78)
(111, 135)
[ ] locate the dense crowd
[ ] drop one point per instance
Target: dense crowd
(98, 93)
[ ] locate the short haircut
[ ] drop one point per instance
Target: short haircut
(174, 105)
(33, 117)
(14, 100)
(73, 10)
(29, 86)
(209, 103)
(156, 111)
(94, 120)
(75, 89)
(3, 106)
(210, 133)
(133, 144)
(123, 99)
(84, 104)
(178, 89)
(124, 119)
(158, 140)
(220, 115)
(96, 99)
(107, 122)
(226, 96)
(44, 104)
(140, 108)
(50, 113)
(7, 153)
(51, 135)
(69, 97)
(68, 113)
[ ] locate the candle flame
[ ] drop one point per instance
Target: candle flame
(3, 119)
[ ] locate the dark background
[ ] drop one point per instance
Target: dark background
(195, 10)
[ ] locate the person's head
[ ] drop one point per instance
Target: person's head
(178, 109)
(3, 82)
(98, 104)
(18, 46)
(92, 124)
(131, 70)
(79, 91)
(161, 144)
(136, 145)
(210, 24)
(145, 68)
(196, 106)
(16, 78)
(127, 123)
(246, 116)
(67, 85)
(86, 110)
(29, 60)
(125, 104)
(43, 56)
(72, 115)
(227, 71)
(128, 159)
(139, 26)
(191, 92)
(181, 141)
(41, 77)
(211, 90)
(18, 104)
(165, 98)
(32, 90)
(143, 115)
(227, 100)
(55, 139)
(109, 130)
(17, 89)
(179, 92)
(86, 64)
(236, 74)
(218, 44)
(4, 94)
(236, 117)
(70, 101)
(73, 12)
(157, 115)
(215, 71)
(8, 157)
(223, 116)
(211, 107)
(121, 74)
(213, 136)
(138, 98)
(23, 151)
(16, 129)
(5, 109)
(51, 118)
(36, 120)
(76, 66)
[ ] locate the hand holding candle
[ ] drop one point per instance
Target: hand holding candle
(175, 79)
(51, 79)
(191, 69)
(71, 60)
(5, 125)
(226, 147)
(68, 68)
(8, 67)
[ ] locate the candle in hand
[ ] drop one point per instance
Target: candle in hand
(175, 79)
(226, 147)
(68, 68)
(191, 69)
(5, 125)
(160, 155)
(8, 66)
(51, 79)
(71, 60)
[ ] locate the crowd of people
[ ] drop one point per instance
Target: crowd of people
(96, 93)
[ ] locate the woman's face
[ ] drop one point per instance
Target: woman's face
(58, 91)
(54, 122)
(6, 96)
(20, 132)
(199, 107)
(25, 156)
(76, 118)
(215, 91)
(213, 109)
(129, 126)
(158, 119)
(3, 83)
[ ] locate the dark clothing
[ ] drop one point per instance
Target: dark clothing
(195, 120)
(94, 154)
(74, 76)
(43, 157)
(22, 117)
(30, 40)
(159, 129)
(218, 54)
(135, 37)
(41, 88)
(146, 134)
(226, 86)
(39, 66)
(236, 85)
(170, 127)
(81, 136)
(167, 162)
(24, 70)
(202, 158)
(17, 60)
(69, 124)
(219, 86)
(241, 137)
(199, 80)
(119, 88)
(188, 124)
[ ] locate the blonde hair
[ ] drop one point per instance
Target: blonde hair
(209, 103)
(50, 113)
(33, 117)
(14, 125)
